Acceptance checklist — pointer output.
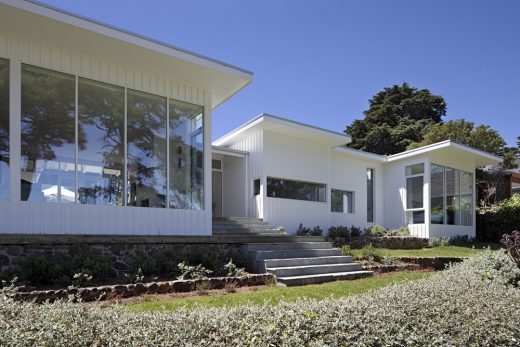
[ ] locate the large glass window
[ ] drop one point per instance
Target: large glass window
(452, 197)
(186, 156)
(297, 190)
(437, 194)
(146, 149)
(101, 128)
(4, 129)
(414, 193)
(48, 136)
(466, 198)
(370, 195)
(342, 201)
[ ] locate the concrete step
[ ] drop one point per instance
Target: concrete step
(322, 278)
(272, 263)
(249, 231)
(238, 226)
(287, 246)
(299, 253)
(237, 220)
(292, 271)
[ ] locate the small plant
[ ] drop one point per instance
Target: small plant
(316, 231)
(233, 271)
(202, 288)
(231, 287)
(402, 231)
(137, 277)
(376, 231)
(372, 254)
(192, 272)
(512, 244)
(303, 231)
(346, 251)
(339, 232)
(355, 231)
(81, 279)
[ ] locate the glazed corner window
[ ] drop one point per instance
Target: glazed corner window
(370, 195)
(256, 187)
(48, 125)
(4, 130)
(414, 193)
(296, 190)
(341, 201)
(186, 139)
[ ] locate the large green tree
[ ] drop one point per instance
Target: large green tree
(397, 116)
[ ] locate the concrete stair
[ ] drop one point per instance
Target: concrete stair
(244, 226)
(301, 263)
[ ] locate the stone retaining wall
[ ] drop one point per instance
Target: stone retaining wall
(102, 293)
(393, 242)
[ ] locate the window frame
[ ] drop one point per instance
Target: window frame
(411, 212)
(352, 205)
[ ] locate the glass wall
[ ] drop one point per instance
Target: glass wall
(186, 155)
(451, 196)
(341, 201)
(4, 129)
(101, 128)
(146, 149)
(48, 136)
(297, 190)
(414, 192)
(437, 194)
(370, 195)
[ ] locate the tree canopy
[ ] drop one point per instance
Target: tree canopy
(397, 116)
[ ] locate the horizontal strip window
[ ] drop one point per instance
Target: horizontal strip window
(296, 190)
(341, 201)
(89, 142)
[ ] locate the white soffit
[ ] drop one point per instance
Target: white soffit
(56, 28)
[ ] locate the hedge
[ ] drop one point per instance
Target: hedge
(502, 218)
(474, 303)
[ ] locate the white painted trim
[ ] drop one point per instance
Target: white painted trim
(15, 131)
(229, 152)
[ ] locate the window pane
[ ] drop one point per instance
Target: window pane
(101, 126)
(452, 196)
(416, 169)
(342, 201)
(48, 136)
(256, 187)
(4, 129)
(146, 126)
(370, 195)
(466, 198)
(186, 156)
(289, 189)
(414, 192)
(437, 194)
(215, 164)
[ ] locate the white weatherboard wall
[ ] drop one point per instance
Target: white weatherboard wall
(54, 218)
(234, 179)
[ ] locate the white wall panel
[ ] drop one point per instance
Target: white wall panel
(54, 218)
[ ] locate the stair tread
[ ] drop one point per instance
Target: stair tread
(310, 266)
(331, 274)
(323, 257)
(297, 250)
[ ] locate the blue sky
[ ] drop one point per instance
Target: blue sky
(320, 61)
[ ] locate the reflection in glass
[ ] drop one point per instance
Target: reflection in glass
(297, 190)
(452, 197)
(48, 136)
(101, 112)
(341, 201)
(437, 194)
(146, 149)
(4, 129)
(414, 192)
(466, 198)
(186, 156)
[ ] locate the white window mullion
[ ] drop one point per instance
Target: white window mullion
(167, 152)
(125, 150)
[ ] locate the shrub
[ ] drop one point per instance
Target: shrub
(346, 251)
(402, 231)
(316, 231)
(339, 232)
(512, 244)
(233, 271)
(355, 231)
(376, 231)
(192, 272)
(504, 217)
(372, 254)
(455, 307)
(303, 231)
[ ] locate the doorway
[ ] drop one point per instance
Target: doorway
(216, 178)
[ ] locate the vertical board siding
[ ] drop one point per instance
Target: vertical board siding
(54, 218)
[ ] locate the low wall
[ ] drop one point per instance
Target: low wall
(393, 242)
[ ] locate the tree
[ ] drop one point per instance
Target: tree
(397, 117)
(462, 131)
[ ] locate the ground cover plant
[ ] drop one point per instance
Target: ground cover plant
(428, 252)
(470, 304)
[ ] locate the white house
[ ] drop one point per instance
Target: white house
(297, 173)
(103, 131)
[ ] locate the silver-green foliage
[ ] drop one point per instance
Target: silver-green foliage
(469, 304)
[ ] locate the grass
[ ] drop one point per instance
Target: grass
(273, 294)
(439, 251)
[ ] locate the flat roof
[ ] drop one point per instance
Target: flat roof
(280, 124)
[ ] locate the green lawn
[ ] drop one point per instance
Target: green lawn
(274, 294)
(439, 251)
